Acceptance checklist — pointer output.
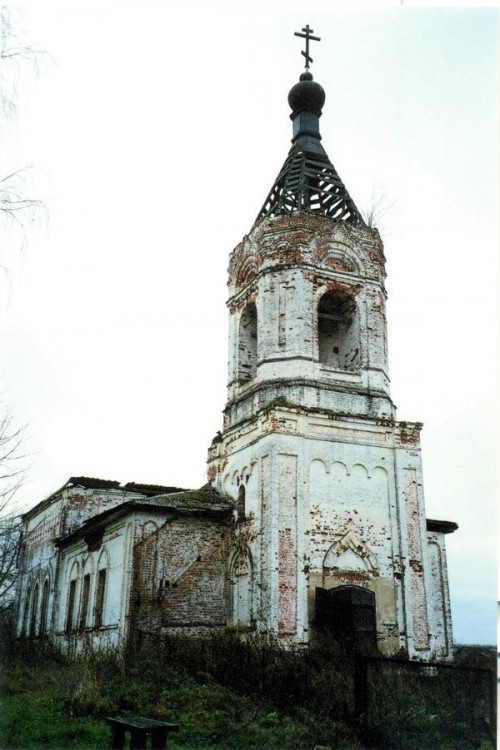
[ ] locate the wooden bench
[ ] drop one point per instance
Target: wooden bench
(140, 728)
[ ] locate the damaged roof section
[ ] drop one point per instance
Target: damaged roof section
(205, 501)
(94, 483)
(104, 484)
(308, 181)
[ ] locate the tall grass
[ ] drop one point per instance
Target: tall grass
(230, 694)
(49, 701)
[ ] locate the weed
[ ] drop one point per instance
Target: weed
(230, 694)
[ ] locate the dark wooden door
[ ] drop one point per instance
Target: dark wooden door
(348, 613)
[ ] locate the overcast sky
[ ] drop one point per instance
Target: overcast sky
(156, 132)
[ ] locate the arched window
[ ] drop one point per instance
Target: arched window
(84, 606)
(34, 611)
(241, 588)
(88, 570)
(241, 503)
(100, 592)
(338, 335)
(26, 613)
(247, 343)
(71, 612)
(44, 608)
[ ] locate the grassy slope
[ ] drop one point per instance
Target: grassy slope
(47, 704)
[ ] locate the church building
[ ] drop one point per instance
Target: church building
(313, 519)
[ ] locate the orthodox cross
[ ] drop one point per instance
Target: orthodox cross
(307, 35)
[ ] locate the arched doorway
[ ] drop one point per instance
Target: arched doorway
(348, 614)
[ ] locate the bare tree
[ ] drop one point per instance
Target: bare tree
(14, 54)
(10, 534)
(17, 208)
(12, 467)
(15, 205)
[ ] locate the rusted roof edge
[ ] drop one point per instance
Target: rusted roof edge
(445, 527)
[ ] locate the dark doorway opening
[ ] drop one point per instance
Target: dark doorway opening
(348, 614)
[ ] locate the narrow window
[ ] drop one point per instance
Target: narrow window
(85, 601)
(338, 336)
(34, 611)
(247, 343)
(26, 613)
(241, 503)
(99, 598)
(282, 319)
(44, 608)
(241, 590)
(71, 607)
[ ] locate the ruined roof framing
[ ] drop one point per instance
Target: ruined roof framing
(309, 182)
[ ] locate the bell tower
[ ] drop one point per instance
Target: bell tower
(330, 527)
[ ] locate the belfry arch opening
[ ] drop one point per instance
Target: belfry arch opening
(338, 331)
(247, 343)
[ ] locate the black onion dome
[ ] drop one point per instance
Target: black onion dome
(306, 96)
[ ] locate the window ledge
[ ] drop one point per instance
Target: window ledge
(352, 375)
(87, 631)
(240, 627)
